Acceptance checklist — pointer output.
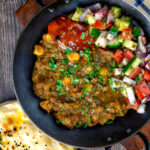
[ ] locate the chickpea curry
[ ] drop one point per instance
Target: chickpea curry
(79, 73)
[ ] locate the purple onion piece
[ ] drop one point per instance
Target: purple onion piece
(94, 7)
(102, 13)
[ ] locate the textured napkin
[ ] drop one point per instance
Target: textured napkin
(142, 5)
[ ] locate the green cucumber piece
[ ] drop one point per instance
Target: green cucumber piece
(114, 44)
(94, 32)
(91, 19)
(77, 14)
(130, 45)
(120, 39)
(131, 65)
(116, 11)
(126, 18)
(122, 24)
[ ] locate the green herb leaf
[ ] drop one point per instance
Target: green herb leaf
(86, 80)
(89, 42)
(82, 36)
(59, 85)
(76, 80)
(114, 90)
(110, 82)
(65, 61)
(68, 51)
(114, 64)
(62, 93)
(58, 122)
(84, 125)
(61, 69)
(89, 118)
(65, 119)
(77, 126)
(52, 64)
(110, 122)
(106, 106)
(137, 78)
(59, 113)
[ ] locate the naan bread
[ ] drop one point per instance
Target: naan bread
(18, 133)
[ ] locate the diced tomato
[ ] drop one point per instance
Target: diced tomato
(133, 106)
(142, 90)
(127, 34)
(101, 25)
(146, 75)
(129, 55)
(126, 99)
(144, 40)
(119, 56)
(135, 72)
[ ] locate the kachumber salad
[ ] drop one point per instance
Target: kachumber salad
(92, 66)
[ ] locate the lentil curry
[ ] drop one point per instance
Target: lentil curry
(75, 76)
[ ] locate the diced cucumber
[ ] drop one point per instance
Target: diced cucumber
(94, 32)
(116, 11)
(126, 18)
(131, 65)
(114, 44)
(122, 24)
(91, 19)
(120, 39)
(130, 44)
(77, 14)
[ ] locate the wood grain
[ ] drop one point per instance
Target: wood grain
(10, 29)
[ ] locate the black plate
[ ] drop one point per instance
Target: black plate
(24, 60)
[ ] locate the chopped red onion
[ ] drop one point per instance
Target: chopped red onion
(142, 47)
(148, 66)
(102, 13)
(110, 18)
(84, 15)
(94, 7)
(141, 109)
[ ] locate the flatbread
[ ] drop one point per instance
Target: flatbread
(18, 133)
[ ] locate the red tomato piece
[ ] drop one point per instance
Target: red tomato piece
(135, 72)
(146, 75)
(129, 55)
(133, 106)
(142, 90)
(101, 25)
(127, 34)
(119, 56)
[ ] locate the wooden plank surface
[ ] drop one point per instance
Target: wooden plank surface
(10, 28)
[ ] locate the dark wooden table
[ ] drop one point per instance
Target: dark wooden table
(10, 29)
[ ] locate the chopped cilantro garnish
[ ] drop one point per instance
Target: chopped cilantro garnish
(62, 93)
(114, 64)
(58, 122)
(110, 82)
(77, 126)
(110, 69)
(84, 42)
(89, 42)
(84, 125)
(100, 85)
(65, 61)
(52, 64)
(86, 80)
(59, 85)
(71, 98)
(68, 51)
(106, 106)
(92, 74)
(65, 119)
(59, 113)
(95, 98)
(110, 122)
(114, 90)
(76, 80)
(89, 118)
(47, 71)
(85, 92)
(61, 69)
(82, 36)
(76, 66)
